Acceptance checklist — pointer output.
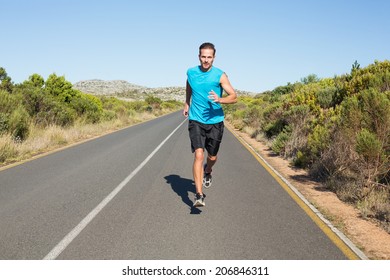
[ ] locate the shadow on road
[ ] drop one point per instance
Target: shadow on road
(184, 188)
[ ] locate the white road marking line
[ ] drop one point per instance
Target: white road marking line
(61, 246)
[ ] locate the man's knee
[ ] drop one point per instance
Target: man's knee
(212, 158)
(199, 154)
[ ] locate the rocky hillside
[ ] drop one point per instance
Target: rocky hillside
(100, 87)
(126, 90)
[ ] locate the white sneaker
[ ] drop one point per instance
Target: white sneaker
(207, 179)
(199, 200)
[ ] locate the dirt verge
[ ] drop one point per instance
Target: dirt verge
(366, 235)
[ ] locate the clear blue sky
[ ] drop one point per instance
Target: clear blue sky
(260, 44)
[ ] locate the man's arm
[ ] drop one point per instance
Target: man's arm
(227, 87)
(188, 99)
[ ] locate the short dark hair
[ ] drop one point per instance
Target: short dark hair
(207, 45)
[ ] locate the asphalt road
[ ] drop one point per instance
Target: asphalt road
(129, 195)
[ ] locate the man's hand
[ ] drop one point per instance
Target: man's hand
(213, 96)
(185, 110)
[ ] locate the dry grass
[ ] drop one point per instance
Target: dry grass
(42, 140)
(251, 131)
(7, 148)
(375, 204)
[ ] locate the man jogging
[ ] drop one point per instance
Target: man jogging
(204, 88)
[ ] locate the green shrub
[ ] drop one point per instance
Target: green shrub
(4, 123)
(34, 99)
(301, 160)
(108, 115)
(36, 80)
(318, 140)
(171, 105)
(167, 106)
(87, 106)
(53, 111)
(8, 102)
(325, 97)
(375, 108)
(19, 124)
(137, 106)
(278, 145)
(60, 88)
(274, 128)
(253, 116)
(368, 146)
(375, 76)
(5, 81)
(153, 102)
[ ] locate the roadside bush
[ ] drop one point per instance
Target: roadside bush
(325, 97)
(138, 106)
(167, 105)
(108, 115)
(4, 123)
(6, 83)
(369, 147)
(375, 76)
(171, 105)
(274, 128)
(153, 102)
(253, 116)
(36, 80)
(374, 164)
(88, 107)
(274, 121)
(19, 123)
(8, 102)
(318, 140)
(34, 99)
(376, 205)
(54, 112)
(338, 127)
(366, 125)
(298, 119)
(301, 160)
(60, 88)
(279, 144)
(236, 113)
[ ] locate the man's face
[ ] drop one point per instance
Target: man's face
(206, 58)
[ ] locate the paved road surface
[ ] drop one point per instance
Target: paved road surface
(147, 213)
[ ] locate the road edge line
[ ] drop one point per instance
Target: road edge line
(349, 249)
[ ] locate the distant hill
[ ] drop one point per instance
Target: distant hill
(125, 90)
(100, 87)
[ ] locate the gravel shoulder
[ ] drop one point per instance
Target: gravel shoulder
(366, 235)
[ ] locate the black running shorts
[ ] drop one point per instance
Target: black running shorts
(207, 136)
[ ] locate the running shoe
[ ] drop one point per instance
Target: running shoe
(207, 179)
(199, 200)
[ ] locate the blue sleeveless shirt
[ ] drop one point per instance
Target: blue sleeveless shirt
(202, 109)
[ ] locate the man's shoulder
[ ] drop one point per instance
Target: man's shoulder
(193, 69)
(217, 70)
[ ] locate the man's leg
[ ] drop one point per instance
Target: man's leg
(207, 178)
(211, 160)
(213, 142)
(198, 177)
(197, 169)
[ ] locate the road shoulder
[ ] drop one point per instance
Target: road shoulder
(369, 237)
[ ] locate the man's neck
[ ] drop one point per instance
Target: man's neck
(204, 69)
